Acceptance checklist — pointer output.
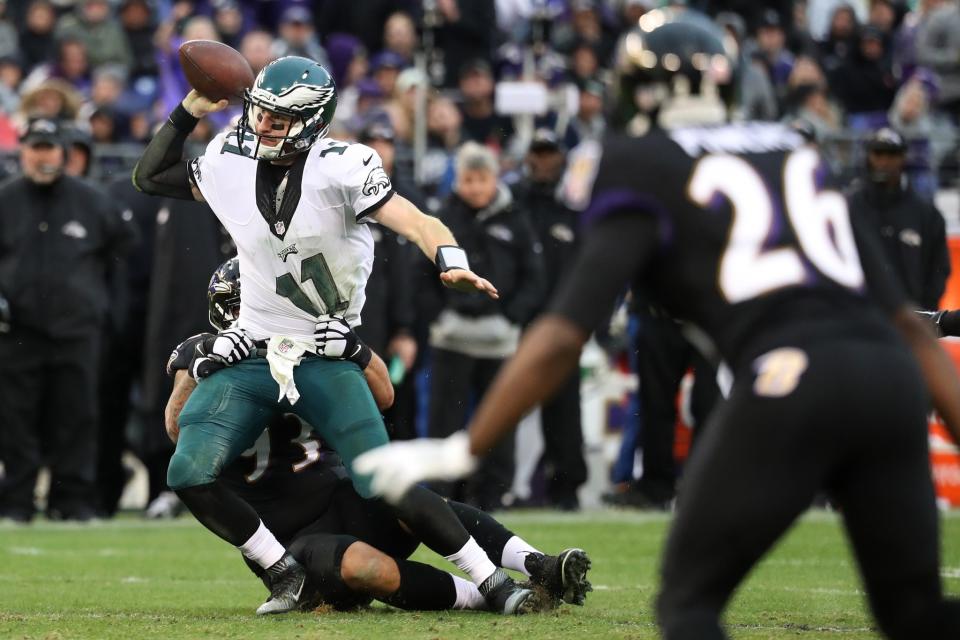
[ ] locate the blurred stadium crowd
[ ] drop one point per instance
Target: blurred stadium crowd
(428, 84)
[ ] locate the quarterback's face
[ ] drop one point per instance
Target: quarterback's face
(270, 126)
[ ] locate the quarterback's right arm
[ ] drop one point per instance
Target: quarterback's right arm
(161, 170)
(434, 239)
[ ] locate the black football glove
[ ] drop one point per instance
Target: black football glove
(202, 367)
(334, 339)
(5, 322)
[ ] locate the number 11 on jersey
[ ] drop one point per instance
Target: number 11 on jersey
(313, 269)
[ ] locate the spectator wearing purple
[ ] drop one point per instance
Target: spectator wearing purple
(771, 51)
(348, 59)
(173, 84)
(94, 24)
(905, 39)
(385, 67)
(298, 36)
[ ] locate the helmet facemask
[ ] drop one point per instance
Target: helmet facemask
(300, 135)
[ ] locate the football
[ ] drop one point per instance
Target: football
(216, 70)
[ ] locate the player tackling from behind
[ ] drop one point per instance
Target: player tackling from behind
(296, 204)
(728, 226)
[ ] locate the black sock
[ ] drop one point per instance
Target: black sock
(422, 588)
(432, 521)
(221, 511)
(489, 534)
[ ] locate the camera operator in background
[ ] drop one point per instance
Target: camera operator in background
(471, 337)
(556, 227)
(912, 230)
(60, 239)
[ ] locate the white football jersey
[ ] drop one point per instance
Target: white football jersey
(296, 268)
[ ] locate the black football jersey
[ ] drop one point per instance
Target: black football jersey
(288, 476)
(747, 238)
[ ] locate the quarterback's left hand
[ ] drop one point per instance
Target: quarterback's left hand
(335, 339)
(397, 466)
(230, 346)
(467, 281)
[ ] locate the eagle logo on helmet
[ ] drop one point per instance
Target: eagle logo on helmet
(305, 96)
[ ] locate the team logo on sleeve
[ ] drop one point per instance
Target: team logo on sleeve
(376, 181)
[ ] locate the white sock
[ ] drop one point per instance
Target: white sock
(515, 552)
(262, 547)
(473, 561)
(468, 595)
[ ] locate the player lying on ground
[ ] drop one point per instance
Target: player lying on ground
(728, 226)
(297, 207)
(352, 549)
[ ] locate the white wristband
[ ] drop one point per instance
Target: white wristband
(451, 257)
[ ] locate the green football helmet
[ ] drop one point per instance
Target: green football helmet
(294, 87)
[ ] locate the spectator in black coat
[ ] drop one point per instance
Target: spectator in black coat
(911, 228)
(556, 226)
(472, 336)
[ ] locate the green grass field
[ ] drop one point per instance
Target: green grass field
(131, 579)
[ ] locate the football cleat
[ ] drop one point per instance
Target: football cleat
(286, 579)
(505, 596)
(563, 576)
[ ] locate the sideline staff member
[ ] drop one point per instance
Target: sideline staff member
(911, 229)
(59, 239)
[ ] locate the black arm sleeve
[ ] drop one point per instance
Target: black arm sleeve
(162, 171)
(612, 256)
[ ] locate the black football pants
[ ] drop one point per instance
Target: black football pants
(48, 401)
(455, 380)
(564, 465)
(663, 357)
(856, 426)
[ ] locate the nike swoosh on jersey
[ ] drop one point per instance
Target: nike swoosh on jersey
(367, 161)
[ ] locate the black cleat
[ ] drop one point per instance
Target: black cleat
(286, 579)
(505, 596)
(563, 576)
